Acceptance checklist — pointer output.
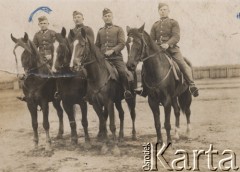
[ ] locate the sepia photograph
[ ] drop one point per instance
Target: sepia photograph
(119, 85)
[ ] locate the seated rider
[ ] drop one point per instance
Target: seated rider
(44, 40)
(111, 40)
(166, 33)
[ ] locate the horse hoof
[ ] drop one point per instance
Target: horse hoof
(87, 146)
(176, 137)
(48, 148)
(104, 149)
(134, 138)
(59, 136)
(116, 151)
(121, 139)
(74, 141)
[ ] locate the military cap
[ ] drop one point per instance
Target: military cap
(42, 18)
(160, 5)
(106, 11)
(77, 13)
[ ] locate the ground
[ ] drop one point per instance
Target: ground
(215, 120)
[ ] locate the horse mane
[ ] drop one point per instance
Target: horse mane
(38, 57)
(95, 51)
(152, 44)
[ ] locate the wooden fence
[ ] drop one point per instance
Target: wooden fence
(212, 72)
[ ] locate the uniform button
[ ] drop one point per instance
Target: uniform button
(161, 30)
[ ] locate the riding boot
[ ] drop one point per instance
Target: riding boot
(142, 91)
(194, 90)
(127, 92)
(187, 72)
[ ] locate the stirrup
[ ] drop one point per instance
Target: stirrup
(194, 91)
(127, 94)
(57, 95)
(140, 93)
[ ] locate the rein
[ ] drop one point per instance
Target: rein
(150, 56)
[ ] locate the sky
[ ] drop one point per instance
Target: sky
(210, 29)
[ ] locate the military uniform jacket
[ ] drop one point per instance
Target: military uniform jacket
(44, 42)
(111, 38)
(166, 31)
(87, 29)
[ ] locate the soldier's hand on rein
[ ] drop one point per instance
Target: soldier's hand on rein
(109, 52)
(165, 46)
(48, 57)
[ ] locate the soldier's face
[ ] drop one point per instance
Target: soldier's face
(78, 19)
(43, 25)
(163, 11)
(107, 18)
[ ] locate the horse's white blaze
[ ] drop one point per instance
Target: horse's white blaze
(74, 49)
(56, 44)
(131, 42)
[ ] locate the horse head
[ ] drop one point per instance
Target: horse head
(28, 57)
(137, 49)
(64, 51)
(82, 54)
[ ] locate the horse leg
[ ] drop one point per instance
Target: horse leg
(131, 106)
(45, 111)
(102, 134)
(83, 106)
(177, 117)
(188, 101)
(110, 107)
(70, 112)
(32, 107)
(185, 100)
(167, 124)
(118, 105)
(59, 109)
(154, 105)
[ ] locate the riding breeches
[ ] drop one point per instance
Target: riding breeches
(184, 67)
(121, 68)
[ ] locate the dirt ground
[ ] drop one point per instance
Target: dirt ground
(215, 120)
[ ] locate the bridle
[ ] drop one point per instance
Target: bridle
(143, 59)
(85, 55)
(65, 54)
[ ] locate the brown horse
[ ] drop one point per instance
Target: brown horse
(72, 86)
(38, 87)
(159, 78)
(104, 90)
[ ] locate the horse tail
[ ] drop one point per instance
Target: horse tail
(185, 100)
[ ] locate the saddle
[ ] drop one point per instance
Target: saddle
(114, 73)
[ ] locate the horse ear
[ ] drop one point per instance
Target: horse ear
(83, 32)
(128, 29)
(63, 32)
(13, 38)
(25, 38)
(72, 34)
(141, 29)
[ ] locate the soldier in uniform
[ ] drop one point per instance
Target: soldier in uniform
(78, 20)
(166, 33)
(44, 40)
(111, 40)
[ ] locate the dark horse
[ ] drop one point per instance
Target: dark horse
(103, 90)
(72, 86)
(38, 87)
(159, 78)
